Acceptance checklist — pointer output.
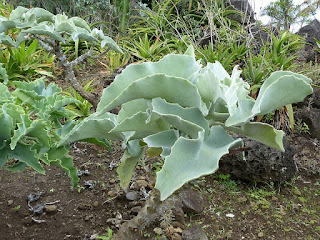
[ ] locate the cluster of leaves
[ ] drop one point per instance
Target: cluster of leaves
(30, 127)
(181, 110)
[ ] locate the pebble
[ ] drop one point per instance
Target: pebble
(136, 209)
(194, 233)
(96, 204)
(112, 193)
(112, 181)
(176, 236)
(176, 224)
(192, 201)
(157, 231)
(260, 235)
(132, 196)
(274, 198)
(10, 202)
(140, 183)
(50, 208)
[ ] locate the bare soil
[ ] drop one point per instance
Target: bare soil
(260, 211)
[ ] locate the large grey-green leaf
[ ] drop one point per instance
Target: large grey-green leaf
(280, 89)
(263, 133)
(17, 13)
(126, 168)
(5, 39)
(93, 127)
(187, 120)
(43, 29)
(172, 89)
(180, 66)
(3, 73)
(164, 140)
(193, 158)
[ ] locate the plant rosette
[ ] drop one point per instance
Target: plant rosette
(184, 111)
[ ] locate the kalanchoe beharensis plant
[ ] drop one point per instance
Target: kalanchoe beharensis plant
(186, 110)
(52, 31)
(30, 127)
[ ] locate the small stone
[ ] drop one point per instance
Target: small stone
(178, 230)
(10, 202)
(169, 231)
(274, 198)
(158, 231)
(89, 184)
(242, 199)
(112, 193)
(86, 172)
(230, 215)
(79, 173)
(192, 201)
(140, 183)
(1, 203)
(260, 235)
(50, 208)
(136, 209)
(132, 196)
(176, 236)
(194, 233)
(95, 204)
(87, 218)
(112, 181)
(176, 224)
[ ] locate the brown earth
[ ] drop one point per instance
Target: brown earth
(264, 211)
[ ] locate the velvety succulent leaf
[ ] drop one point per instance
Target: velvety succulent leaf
(197, 157)
(79, 22)
(43, 29)
(17, 13)
(6, 40)
(187, 120)
(142, 122)
(22, 129)
(17, 167)
(3, 74)
(41, 14)
(4, 152)
(180, 66)
(81, 33)
(58, 156)
(15, 112)
(126, 167)
(38, 130)
(6, 124)
(172, 89)
(164, 140)
(263, 133)
(6, 25)
(209, 87)
(4, 94)
(130, 108)
(242, 114)
(27, 155)
(65, 27)
(93, 126)
(280, 89)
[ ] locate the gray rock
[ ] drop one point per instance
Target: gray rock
(311, 118)
(310, 31)
(192, 201)
(262, 164)
(194, 233)
(132, 196)
(244, 7)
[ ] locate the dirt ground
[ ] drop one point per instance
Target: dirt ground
(232, 209)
